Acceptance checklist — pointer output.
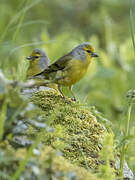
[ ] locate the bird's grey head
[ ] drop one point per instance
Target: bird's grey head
(39, 51)
(79, 52)
(85, 48)
(41, 57)
(84, 45)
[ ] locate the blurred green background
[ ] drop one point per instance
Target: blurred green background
(57, 27)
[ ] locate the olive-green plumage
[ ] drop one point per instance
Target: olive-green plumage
(70, 68)
(39, 61)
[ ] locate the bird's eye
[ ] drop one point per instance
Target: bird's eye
(36, 56)
(88, 51)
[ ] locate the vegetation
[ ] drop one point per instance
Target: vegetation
(57, 27)
(82, 135)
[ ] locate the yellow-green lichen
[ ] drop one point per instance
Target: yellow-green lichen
(82, 133)
(60, 164)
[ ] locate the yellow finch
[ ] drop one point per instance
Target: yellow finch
(38, 61)
(70, 68)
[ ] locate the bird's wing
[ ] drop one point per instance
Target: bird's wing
(60, 64)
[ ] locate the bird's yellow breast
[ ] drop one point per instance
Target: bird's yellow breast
(75, 70)
(33, 69)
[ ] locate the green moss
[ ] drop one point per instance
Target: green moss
(61, 165)
(82, 134)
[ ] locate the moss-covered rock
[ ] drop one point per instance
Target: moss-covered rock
(67, 170)
(81, 133)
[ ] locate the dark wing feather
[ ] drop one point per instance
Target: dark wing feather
(60, 64)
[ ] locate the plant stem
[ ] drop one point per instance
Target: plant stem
(128, 120)
(132, 28)
(122, 159)
(2, 119)
(124, 148)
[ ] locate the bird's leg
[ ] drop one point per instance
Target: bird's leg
(70, 88)
(59, 88)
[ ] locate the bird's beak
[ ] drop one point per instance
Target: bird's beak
(94, 55)
(29, 57)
